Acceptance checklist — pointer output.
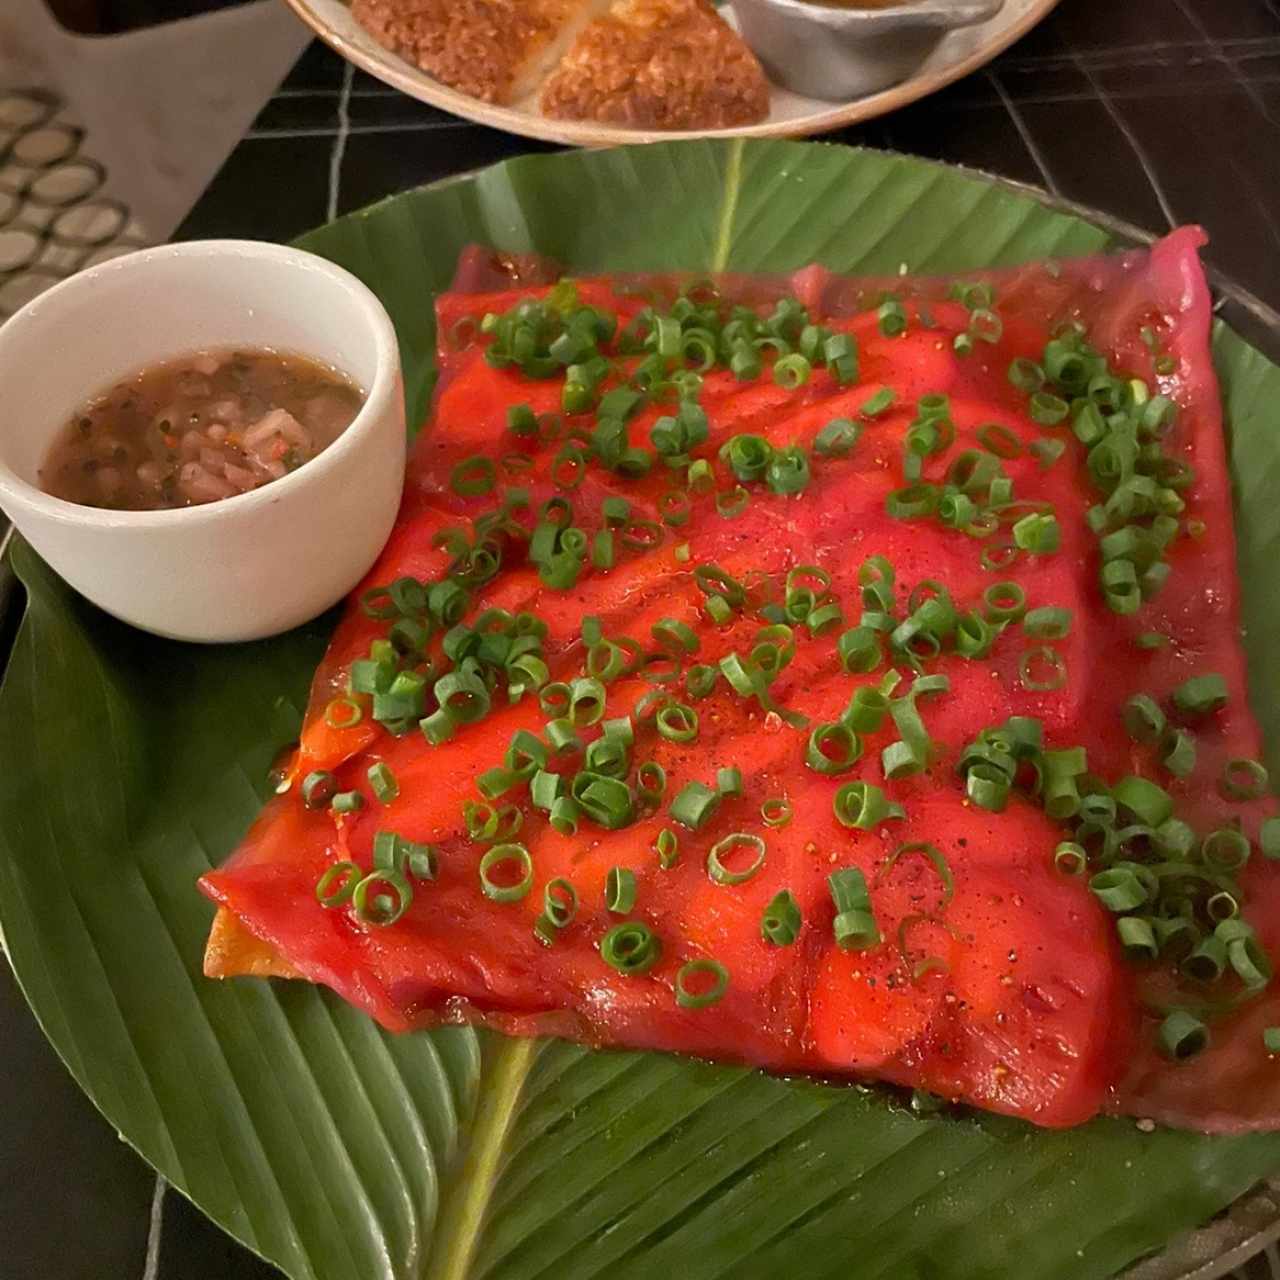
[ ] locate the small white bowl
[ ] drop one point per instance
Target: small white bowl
(243, 567)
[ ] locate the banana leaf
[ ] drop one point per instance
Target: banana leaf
(130, 765)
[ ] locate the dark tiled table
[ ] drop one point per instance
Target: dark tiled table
(1157, 111)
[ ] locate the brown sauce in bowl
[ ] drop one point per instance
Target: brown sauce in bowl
(197, 429)
(859, 4)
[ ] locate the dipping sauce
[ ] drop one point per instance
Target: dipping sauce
(199, 428)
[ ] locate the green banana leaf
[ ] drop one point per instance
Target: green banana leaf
(130, 765)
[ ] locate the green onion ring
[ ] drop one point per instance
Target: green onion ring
(1244, 779)
(619, 890)
(338, 883)
(721, 874)
(504, 853)
(630, 947)
(1049, 657)
(776, 811)
(688, 999)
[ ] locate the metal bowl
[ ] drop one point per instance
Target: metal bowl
(823, 51)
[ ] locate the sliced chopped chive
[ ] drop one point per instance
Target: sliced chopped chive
(747, 456)
(1226, 849)
(1047, 452)
(878, 403)
(833, 748)
(510, 855)
(891, 319)
(1143, 719)
(1119, 889)
(1049, 622)
(674, 635)
(825, 618)
(788, 470)
(791, 371)
(1041, 535)
(729, 781)
(1152, 640)
(1201, 695)
(545, 789)
(620, 890)
(988, 787)
(1042, 669)
(1178, 752)
(630, 948)
(1137, 938)
(667, 845)
(562, 736)
(677, 722)
(381, 909)
(776, 811)
(866, 710)
(318, 788)
(732, 503)
(1148, 802)
(473, 477)
(1120, 586)
(914, 502)
(521, 420)
(392, 852)
(347, 802)
(859, 650)
(343, 713)
(697, 971)
(700, 479)
(719, 851)
(780, 923)
(564, 814)
(383, 782)
(855, 925)
(1047, 409)
(999, 440)
(864, 806)
(1207, 960)
(1004, 602)
(675, 507)
(1070, 858)
(1271, 1039)
(1182, 1035)
(837, 438)
(1244, 779)
(336, 886)
(1222, 906)
(700, 680)
(999, 554)
(1026, 375)
(694, 805)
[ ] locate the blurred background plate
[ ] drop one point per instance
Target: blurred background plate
(790, 115)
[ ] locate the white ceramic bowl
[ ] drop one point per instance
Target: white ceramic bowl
(243, 567)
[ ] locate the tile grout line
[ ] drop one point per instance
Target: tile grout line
(151, 1268)
(1250, 90)
(340, 140)
(1135, 145)
(1028, 141)
(355, 130)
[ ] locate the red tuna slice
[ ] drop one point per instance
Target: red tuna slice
(1011, 994)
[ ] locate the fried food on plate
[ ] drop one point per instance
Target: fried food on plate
(658, 64)
(496, 50)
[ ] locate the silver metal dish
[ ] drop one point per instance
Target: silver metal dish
(827, 52)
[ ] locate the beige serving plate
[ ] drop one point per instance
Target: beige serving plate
(790, 115)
